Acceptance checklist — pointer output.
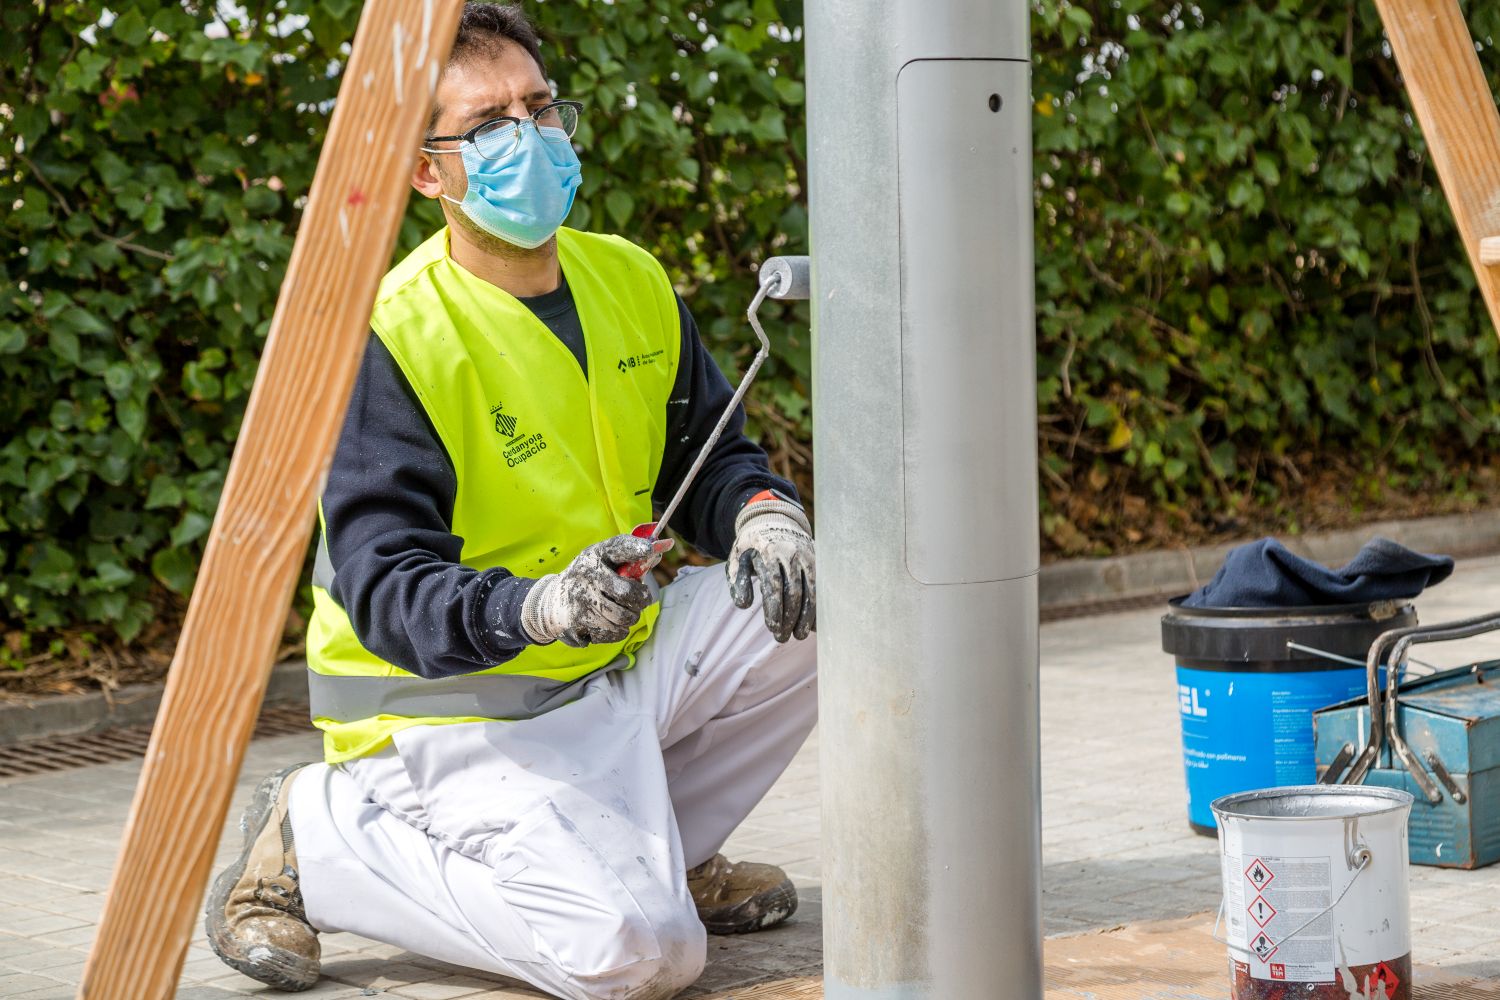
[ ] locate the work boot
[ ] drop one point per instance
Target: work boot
(254, 916)
(740, 898)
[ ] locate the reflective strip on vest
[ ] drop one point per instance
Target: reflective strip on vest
(344, 698)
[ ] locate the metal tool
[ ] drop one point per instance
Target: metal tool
(1392, 649)
(1434, 736)
(783, 278)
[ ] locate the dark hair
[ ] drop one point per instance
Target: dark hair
(481, 28)
(483, 25)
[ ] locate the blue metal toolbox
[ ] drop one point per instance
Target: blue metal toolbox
(1438, 738)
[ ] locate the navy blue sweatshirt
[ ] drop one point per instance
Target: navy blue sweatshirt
(388, 507)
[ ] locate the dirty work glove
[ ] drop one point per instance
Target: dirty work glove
(773, 542)
(589, 601)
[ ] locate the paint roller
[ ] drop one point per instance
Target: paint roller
(784, 278)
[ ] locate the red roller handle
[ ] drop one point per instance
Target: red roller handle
(636, 570)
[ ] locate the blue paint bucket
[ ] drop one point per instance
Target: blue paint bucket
(1246, 697)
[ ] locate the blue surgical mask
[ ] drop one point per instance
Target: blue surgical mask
(522, 198)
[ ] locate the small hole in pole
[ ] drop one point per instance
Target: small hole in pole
(995, 102)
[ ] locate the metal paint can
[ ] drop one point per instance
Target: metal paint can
(1316, 903)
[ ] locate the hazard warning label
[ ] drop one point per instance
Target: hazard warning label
(1259, 873)
(1277, 914)
(1384, 974)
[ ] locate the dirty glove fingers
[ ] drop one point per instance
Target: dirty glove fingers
(610, 633)
(622, 550)
(593, 599)
(790, 581)
(614, 612)
(631, 595)
(807, 615)
(741, 589)
(773, 596)
(773, 541)
(611, 614)
(596, 631)
(589, 601)
(637, 598)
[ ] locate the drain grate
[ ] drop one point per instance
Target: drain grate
(62, 753)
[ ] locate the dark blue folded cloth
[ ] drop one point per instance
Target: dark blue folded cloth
(1266, 574)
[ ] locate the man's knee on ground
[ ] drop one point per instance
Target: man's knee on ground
(673, 960)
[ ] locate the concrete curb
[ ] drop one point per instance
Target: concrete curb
(132, 705)
(1082, 582)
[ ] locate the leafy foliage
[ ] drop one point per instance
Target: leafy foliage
(1244, 266)
(153, 159)
(155, 153)
(694, 146)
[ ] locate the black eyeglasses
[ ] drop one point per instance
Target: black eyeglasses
(499, 137)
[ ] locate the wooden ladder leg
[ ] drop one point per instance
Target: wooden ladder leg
(1456, 110)
(260, 533)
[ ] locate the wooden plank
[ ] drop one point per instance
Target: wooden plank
(260, 534)
(1456, 110)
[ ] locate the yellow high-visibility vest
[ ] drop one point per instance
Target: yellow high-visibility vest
(548, 462)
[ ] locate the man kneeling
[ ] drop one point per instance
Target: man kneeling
(532, 760)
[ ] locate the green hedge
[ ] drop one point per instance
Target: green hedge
(1243, 261)
(1246, 269)
(155, 164)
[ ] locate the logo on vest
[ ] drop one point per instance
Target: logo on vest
(504, 422)
(639, 360)
(524, 450)
(518, 449)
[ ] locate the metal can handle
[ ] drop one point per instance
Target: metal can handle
(1360, 860)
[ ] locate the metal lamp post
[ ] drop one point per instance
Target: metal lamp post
(925, 429)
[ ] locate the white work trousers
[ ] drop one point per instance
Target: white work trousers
(554, 850)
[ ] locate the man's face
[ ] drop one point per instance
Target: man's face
(505, 81)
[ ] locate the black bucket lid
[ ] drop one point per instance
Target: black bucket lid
(1260, 635)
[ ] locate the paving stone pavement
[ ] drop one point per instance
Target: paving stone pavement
(1116, 845)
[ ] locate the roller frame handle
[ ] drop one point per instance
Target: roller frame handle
(785, 278)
